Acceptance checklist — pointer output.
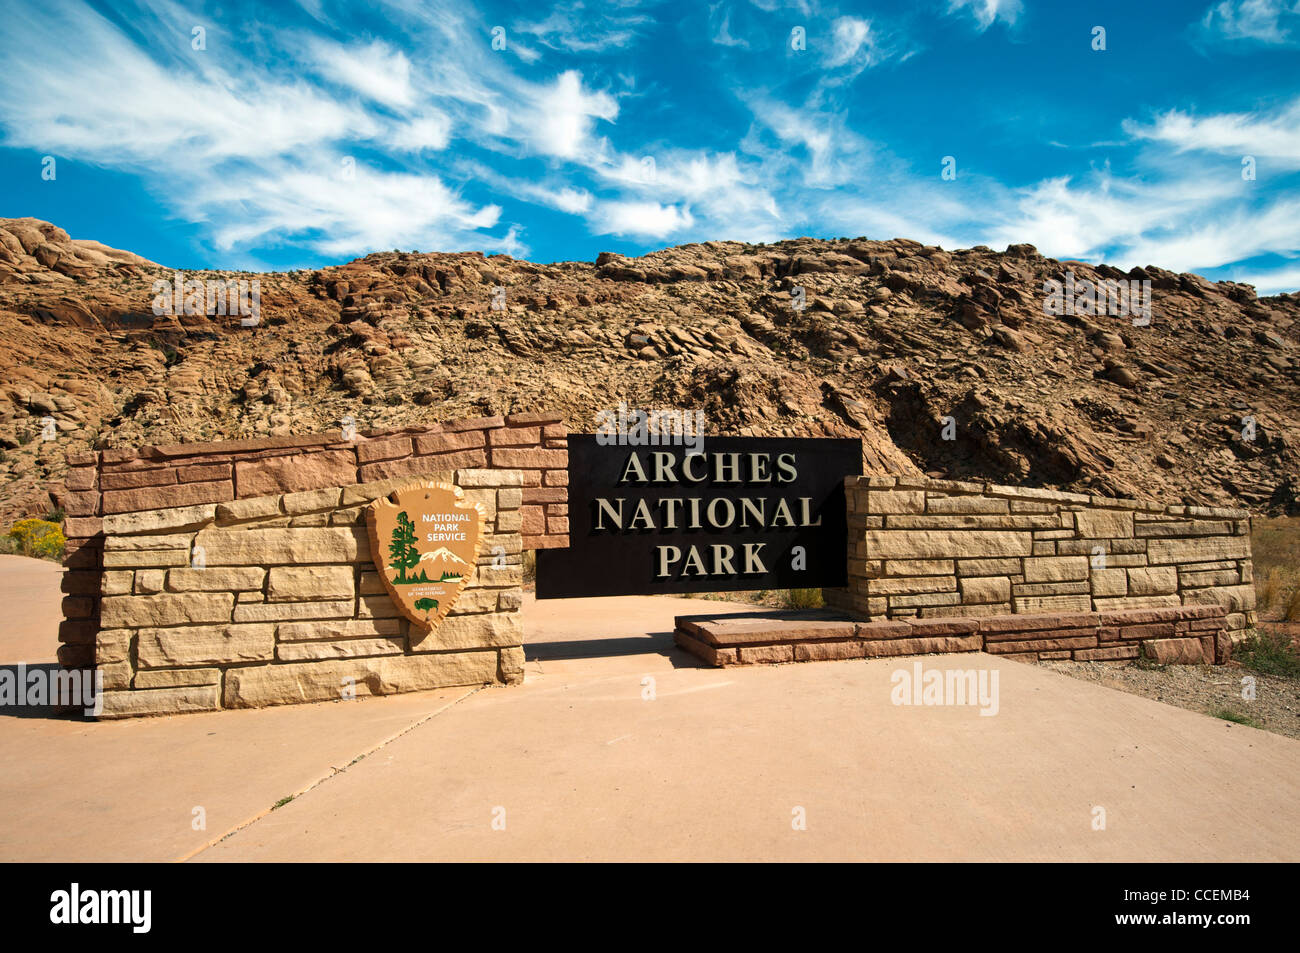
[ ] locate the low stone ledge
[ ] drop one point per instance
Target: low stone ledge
(709, 653)
(1197, 634)
(1171, 613)
(756, 628)
(942, 627)
(997, 624)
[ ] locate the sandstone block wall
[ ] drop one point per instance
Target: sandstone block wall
(113, 483)
(275, 599)
(934, 548)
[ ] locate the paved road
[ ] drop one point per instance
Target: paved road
(620, 747)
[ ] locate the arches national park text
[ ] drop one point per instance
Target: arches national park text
(665, 467)
(747, 513)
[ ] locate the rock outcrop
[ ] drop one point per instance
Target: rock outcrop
(944, 362)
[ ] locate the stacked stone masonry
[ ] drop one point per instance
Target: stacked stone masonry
(927, 549)
(114, 483)
(1192, 634)
(275, 599)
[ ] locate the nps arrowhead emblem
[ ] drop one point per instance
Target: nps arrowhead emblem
(424, 540)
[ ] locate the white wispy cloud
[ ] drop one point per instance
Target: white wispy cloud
(579, 27)
(56, 97)
(988, 12)
(1205, 242)
(427, 137)
(563, 116)
(641, 219)
(686, 195)
(1273, 22)
(375, 70)
(1282, 280)
(259, 153)
(1273, 135)
(551, 192)
(429, 131)
(836, 155)
(855, 44)
(335, 212)
(720, 27)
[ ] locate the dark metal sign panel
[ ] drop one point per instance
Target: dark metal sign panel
(741, 513)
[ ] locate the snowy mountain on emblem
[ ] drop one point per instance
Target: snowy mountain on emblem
(443, 563)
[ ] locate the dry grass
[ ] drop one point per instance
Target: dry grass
(767, 598)
(1268, 590)
(1275, 543)
(1275, 546)
(1292, 611)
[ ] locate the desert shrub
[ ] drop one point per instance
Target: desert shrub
(530, 565)
(803, 599)
(39, 538)
(1269, 653)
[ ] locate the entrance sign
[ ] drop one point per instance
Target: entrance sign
(745, 513)
(424, 539)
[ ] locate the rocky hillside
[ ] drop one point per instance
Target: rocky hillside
(895, 336)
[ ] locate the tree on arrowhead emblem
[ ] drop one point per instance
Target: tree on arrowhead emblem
(402, 549)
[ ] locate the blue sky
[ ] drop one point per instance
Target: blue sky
(309, 133)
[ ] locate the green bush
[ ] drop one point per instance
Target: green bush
(1269, 653)
(39, 538)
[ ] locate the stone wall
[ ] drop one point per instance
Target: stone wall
(108, 483)
(274, 599)
(924, 549)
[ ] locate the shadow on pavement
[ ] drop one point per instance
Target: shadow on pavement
(652, 643)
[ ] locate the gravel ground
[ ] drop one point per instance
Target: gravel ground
(1201, 688)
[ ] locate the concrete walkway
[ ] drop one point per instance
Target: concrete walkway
(30, 597)
(618, 746)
